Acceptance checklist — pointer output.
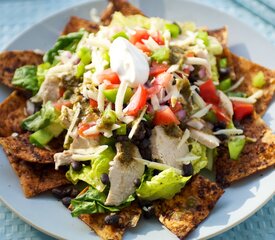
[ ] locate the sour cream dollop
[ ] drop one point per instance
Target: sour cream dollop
(128, 62)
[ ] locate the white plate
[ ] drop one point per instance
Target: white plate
(239, 201)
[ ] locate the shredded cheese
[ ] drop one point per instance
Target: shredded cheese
(155, 102)
(155, 165)
(136, 123)
(100, 97)
(73, 123)
(236, 85)
(151, 44)
(202, 112)
(184, 138)
(92, 153)
(205, 139)
(231, 131)
(120, 98)
(188, 158)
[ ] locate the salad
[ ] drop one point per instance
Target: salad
(141, 107)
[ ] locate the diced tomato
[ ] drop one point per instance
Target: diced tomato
(177, 107)
(58, 105)
(165, 116)
(137, 101)
(155, 89)
(82, 127)
(190, 54)
(139, 36)
(61, 91)
(143, 48)
(208, 92)
(109, 85)
(108, 75)
(241, 110)
(157, 68)
(93, 103)
(158, 39)
(163, 79)
(186, 70)
(221, 114)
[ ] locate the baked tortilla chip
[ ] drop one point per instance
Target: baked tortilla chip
(11, 60)
(21, 148)
(76, 23)
(255, 157)
(13, 108)
(221, 34)
(190, 207)
(129, 218)
(36, 178)
(122, 6)
(248, 69)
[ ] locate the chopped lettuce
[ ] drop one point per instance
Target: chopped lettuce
(214, 69)
(162, 186)
(91, 175)
(132, 21)
(199, 150)
(40, 119)
(161, 54)
(67, 42)
(214, 46)
(42, 69)
(92, 201)
(26, 78)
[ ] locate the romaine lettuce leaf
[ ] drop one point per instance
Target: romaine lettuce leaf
(130, 21)
(199, 150)
(40, 119)
(67, 42)
(92, 201)
(164, 185)
(26, 78)
(91, 175)
(42, 69)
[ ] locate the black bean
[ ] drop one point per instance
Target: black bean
(122, 138)
(222, 137)
(58, 193)
(137, 182)
(219, 126)
(112, 219)
(224, 72)
(66, 201)
(238, 125)
(148, 212)
(77, 166)
(74, 192)
(148, 132)
(145, 143)
(146, 153)
(144, 203)
(105, 178)
(197, 90)
(67, 191)
(187, 169)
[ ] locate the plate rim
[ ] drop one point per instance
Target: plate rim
(90, 2)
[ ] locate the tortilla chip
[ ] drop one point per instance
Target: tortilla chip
(248, 69)
(76, 23)
(122, 6)
(11, 60)
(221, 34)
(21, 148)
(129, 218)
(190, 207)
(36, 178)
(13, 108)
(255, 156)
